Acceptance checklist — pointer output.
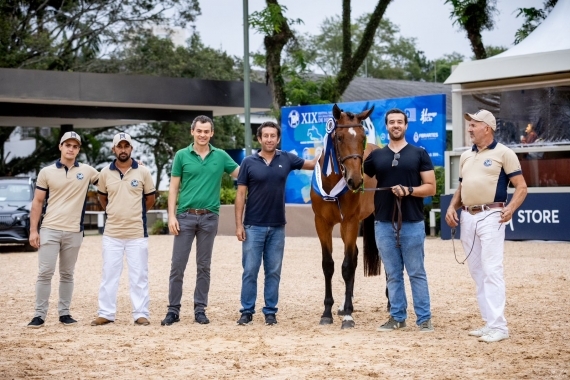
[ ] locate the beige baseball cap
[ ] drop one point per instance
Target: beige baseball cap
(484, 116)
(70, 135)
(121, 136)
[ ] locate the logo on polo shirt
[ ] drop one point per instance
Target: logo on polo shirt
(487, 163)
(134, 183)
(80, 176)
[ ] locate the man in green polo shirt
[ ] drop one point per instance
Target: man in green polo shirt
(195, 181)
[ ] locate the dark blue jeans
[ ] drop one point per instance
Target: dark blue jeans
(262, 244)
(409, 256)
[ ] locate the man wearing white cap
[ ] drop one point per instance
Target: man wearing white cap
(484, 175)
(63, 186)
(126, 191)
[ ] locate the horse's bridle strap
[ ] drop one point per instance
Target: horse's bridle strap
(342, 159)
(349, 125)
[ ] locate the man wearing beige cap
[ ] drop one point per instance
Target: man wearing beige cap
(126, 191)
(63, 186)
(484, 175)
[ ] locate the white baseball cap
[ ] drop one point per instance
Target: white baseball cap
(70, 135)
(484, 116)
(121, 136)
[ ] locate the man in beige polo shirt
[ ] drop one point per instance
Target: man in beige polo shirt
(63, 186)
(484, 175)
(126, 192)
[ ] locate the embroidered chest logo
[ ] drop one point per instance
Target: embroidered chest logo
(134, 183)
(80, 176)
(487, 163)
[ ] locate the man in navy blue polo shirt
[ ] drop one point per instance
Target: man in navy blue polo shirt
(262, 176)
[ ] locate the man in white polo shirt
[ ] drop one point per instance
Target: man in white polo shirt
(63, 186)
(484, 175)
(126, 192)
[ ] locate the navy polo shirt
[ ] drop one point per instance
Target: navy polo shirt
(265, 203)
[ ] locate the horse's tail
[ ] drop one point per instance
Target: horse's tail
(372, 263)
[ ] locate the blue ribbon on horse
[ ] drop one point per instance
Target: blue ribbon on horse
(330, 152)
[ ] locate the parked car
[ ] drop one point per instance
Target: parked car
(16, 194)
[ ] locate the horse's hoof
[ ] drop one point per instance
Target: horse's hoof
(326, 321)
(347, 324)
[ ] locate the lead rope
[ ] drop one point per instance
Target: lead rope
(396, 211)
(474, 234)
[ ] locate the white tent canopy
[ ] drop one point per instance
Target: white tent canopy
(545, 51)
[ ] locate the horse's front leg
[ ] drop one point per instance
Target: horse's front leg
(324, 231)
(349, 231)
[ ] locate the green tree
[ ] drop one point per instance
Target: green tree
(442, 66)
(474, 16)
(532, 18)
(67, 35)
(276, 27)
(152, 55)
(390, 56)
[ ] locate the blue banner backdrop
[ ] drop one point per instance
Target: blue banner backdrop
(543, 216)
(303, 130)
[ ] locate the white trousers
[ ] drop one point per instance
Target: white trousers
(483, 239)
(136, 251)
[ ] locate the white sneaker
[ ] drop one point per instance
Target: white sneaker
(494, 336)
(480, 332)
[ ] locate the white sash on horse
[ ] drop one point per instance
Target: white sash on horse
(340, 188)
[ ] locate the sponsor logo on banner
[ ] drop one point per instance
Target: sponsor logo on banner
(427, 116)
(294, 119)
(411, 114)
(416, 137)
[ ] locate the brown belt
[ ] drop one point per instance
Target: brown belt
(198, 211)
(478, 208)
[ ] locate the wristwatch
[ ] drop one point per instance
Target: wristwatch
(410, 190)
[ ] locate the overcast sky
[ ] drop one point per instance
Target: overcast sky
(221, 22)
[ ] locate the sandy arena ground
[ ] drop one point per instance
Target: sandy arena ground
(538, 308)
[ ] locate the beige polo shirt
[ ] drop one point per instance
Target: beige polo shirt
(485, 174)
(66, 195)
(126, 193)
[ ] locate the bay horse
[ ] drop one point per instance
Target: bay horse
(345, 150)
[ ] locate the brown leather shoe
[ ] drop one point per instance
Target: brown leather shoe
(142, 321)
(99, 321)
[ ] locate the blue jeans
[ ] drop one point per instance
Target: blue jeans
(267, 244)
(409, 256)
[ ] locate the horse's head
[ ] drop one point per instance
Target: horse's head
(350, 139)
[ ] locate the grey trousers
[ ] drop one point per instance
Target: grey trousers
(54, 243)
(204, 228)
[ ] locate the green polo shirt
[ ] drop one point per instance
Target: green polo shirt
(200, 180)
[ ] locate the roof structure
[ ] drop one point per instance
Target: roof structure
(371, 88)
(87, 100)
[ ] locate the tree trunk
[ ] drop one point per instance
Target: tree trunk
(274, 45)
(351, 63)
(477, 46)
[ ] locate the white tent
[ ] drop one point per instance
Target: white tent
(545, 51)
(527, 84)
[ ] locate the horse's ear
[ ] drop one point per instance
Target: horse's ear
(364, 114)
(336, 112)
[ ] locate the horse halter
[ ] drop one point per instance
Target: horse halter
(338, 157)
